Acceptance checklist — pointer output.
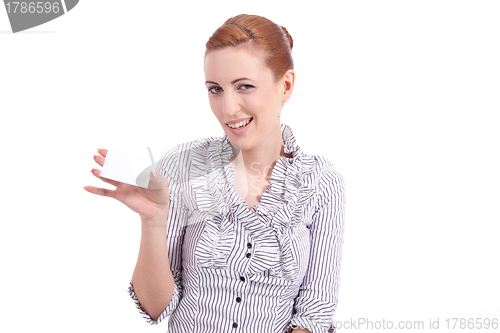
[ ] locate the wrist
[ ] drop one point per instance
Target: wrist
(157, 222)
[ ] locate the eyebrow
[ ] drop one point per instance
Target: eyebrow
(233, 82)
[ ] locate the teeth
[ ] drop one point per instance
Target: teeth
(240, 124)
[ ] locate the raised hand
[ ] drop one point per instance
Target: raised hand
(151, 203)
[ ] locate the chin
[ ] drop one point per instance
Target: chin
(240, 142)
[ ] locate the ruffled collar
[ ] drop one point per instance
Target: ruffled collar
(219, 206)
(291, 146)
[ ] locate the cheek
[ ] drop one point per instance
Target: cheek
(259, 102)
(268, 103)
(214, 105)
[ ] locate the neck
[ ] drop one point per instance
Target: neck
(260, 161)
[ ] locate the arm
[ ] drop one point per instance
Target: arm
(153, 281)
(156, 282)
(157, 273)
(316, 301)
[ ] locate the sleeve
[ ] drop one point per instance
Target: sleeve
(316, 301)
(176, 225)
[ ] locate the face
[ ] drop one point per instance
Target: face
(245, 97)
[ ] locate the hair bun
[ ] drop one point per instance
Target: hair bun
(272, 40)
(288, 37)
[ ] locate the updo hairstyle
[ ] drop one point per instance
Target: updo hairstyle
(259, 33)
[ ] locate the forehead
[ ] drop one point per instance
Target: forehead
(231, 63)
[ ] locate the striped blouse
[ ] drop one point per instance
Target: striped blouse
(268, 269)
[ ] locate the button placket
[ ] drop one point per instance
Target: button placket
(249, 247)
(240, 291)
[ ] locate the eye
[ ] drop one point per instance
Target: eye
(245, 86)
(214, 90)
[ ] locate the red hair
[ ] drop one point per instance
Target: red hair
(261, 33)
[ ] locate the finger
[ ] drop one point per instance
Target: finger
(97, 173)
(100, 191)
(99, 160)
(103, 152)
(157, 181)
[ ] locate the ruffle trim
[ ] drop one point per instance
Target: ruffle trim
(311, 325)
(282, 206)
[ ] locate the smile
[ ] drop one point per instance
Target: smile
(240, 124)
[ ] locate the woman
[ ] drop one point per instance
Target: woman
(254, 225)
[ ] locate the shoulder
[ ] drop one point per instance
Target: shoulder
(329, 175)
(322, 168)
(327, 180)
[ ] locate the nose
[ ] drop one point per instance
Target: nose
(231, 103)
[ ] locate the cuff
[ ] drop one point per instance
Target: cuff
(168, 310)
(312, 325)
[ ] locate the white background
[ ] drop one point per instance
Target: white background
(402, 96)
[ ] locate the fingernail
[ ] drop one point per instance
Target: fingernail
(98, 150)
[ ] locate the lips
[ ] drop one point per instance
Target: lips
(239, 123)
(244, 123)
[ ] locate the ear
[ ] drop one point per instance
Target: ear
(288, 81)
